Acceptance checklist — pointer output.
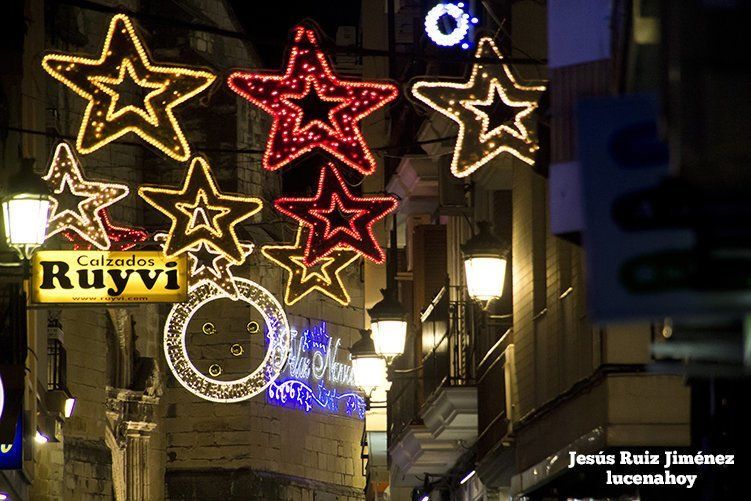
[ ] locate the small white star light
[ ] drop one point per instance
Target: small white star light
(77, 202)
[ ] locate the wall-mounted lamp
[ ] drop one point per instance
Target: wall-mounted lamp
(26, 207)
(368, 367)
(485, 261)
(388, 322)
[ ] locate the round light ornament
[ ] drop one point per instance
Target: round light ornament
(208, 388)
(461, 20)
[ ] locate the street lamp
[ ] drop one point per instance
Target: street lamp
(485, 261)
(388, 321)
(368, 367)
(26, 209)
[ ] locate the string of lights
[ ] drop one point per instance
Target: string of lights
(77, 201)
(472, 105)
(327, 44)
(214, 390)
(241, 151)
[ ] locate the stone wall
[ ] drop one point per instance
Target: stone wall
(254, 443)
(199, 450)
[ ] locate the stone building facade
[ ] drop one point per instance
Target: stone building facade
(485, 402)
(136, 434)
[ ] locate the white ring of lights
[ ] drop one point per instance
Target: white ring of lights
(176, 352)
(457, 34)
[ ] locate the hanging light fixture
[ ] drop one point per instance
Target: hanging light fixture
(26, 209)
(485, 261)
(388, 322)
(368, 367)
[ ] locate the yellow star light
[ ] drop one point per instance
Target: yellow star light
(113, 112)
(211, 266)
(199, 194)
(489, 84)
(77, 202)
(201, 210)
(323, 276)
(124, 60)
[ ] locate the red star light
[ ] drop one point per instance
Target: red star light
(121, 238)
(312, 107)
(337, 219)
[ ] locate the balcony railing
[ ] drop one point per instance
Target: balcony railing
(447, 348)
(448, 358)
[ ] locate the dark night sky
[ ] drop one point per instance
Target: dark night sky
(268, 23)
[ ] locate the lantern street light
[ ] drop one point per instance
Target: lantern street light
(368, 367)
(485, 261)
(388, 321)
(26, 209)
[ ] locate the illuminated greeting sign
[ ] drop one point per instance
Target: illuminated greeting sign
(313, 378)
(108, 277)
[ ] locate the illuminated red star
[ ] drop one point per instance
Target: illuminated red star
(312, 107)
(121, 238)
(337, 219)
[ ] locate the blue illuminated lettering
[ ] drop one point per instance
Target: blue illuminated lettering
(314, 378)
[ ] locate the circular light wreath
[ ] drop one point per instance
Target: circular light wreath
(176, 352)
(456, 35)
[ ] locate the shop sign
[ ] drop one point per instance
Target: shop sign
(81, 277)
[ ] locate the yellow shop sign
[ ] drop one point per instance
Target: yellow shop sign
(108, 277)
